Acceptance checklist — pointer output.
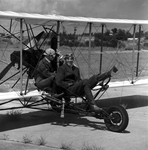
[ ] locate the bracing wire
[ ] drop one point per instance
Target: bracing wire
(80, 51)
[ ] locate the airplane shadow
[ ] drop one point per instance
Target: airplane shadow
(53, 118)
(129, 102)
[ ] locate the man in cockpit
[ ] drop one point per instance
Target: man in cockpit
(45, 73)
(68, 78)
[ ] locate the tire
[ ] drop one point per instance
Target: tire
(118, 119)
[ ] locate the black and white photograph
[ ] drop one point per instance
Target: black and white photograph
(73, 74)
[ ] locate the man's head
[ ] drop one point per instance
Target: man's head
(50, 53)
(69, 59)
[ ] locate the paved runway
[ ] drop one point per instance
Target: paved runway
(80, 131)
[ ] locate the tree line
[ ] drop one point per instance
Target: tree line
(110, 38)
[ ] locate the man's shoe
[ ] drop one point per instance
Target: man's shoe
(95, 108)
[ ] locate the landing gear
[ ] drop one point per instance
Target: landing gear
(116, 119)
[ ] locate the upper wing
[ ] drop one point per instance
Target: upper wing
(45, 18)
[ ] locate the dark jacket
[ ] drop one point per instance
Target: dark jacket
(44, 69)
(67, 75)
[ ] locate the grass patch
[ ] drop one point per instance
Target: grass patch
(41, 141)
(66, 147)
(5, 137)
(84, 147)
(27, 139)
(91, 147)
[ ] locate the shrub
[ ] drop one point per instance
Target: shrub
(27, 139)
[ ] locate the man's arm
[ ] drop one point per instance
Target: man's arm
(60, 76)
(45, 70)
(79, 76)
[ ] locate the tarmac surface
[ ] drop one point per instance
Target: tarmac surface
(45, 130)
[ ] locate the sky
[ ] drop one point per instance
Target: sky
(115, 9)
(121, 9)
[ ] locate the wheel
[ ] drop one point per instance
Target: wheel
(116, 119)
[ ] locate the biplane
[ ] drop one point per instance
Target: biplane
(33, 33)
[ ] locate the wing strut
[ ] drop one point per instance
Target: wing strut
(134, 30)
(89, 53)
(101, 48)
(21, 56)
(137, 68)
(58, 35)
(58, 40)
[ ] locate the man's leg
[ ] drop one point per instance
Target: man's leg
(44, 83)
(76, 90)
(89, 97)
(92, 81)
(79, 89)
